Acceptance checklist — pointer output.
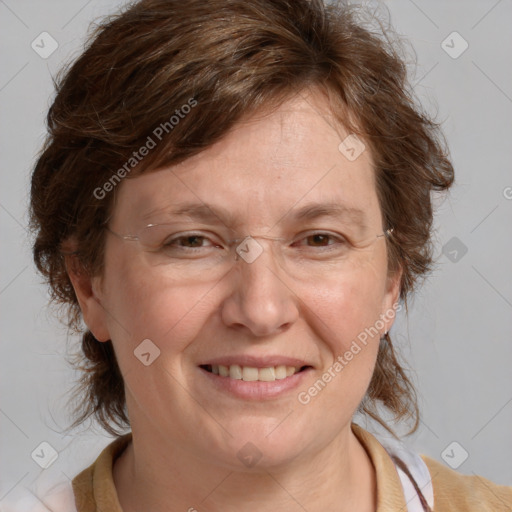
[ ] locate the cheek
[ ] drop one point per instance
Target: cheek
(348, 305)
(143, 304)
(344, 318)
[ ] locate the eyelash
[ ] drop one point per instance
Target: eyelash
(170, 243)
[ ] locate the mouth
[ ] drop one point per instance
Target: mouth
(253, 373)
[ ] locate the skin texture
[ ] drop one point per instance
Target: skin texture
(186, 432)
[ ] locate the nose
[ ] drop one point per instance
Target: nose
(260, 299)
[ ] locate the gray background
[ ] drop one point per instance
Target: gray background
(458, 335)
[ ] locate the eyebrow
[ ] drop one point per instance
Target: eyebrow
(315, 210)
(219, 215)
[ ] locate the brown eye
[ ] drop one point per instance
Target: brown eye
(191, 241)
(321, 243)
(319, 239)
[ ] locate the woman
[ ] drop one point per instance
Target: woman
(235, 197)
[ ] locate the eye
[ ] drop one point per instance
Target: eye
(188, 241)
(321, 239)
(191, 241)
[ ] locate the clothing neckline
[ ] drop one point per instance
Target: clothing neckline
(94, 487)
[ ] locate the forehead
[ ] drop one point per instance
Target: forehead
(263, 168)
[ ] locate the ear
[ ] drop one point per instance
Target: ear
(390, 301)
(86, 290)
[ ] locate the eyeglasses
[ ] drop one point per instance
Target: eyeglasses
(195, 253)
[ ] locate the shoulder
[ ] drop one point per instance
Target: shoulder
(454, 492)
(54, 491)
(41, 498)
(94, 487)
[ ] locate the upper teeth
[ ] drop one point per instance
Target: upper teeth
(250, 373)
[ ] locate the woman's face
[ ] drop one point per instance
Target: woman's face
(318, 300)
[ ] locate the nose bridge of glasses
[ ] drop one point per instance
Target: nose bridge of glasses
(248, 247)
(236, 241)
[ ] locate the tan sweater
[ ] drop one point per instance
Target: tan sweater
(94, 488)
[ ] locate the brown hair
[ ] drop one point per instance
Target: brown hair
(230, 57)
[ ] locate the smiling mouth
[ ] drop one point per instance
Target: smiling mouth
(253, 374)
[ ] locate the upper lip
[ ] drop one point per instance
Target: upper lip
(256, 362)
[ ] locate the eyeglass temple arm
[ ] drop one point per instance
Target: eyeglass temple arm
(123, 237)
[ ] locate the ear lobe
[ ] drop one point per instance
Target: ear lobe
(394, 282)
(86, 292)
(391, 297)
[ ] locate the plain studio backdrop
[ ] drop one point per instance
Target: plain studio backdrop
(458, 337)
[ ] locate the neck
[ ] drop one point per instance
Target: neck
(156, 474)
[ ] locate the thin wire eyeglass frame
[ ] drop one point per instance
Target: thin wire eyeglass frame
(231, 242)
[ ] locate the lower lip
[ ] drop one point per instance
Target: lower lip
(255, 390)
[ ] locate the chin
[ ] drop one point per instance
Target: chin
(258, 445)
